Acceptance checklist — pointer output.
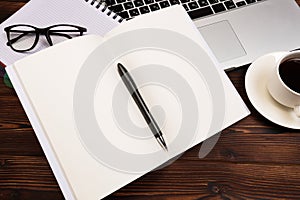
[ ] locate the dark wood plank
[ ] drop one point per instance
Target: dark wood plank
(19, 143)
(22, 194)
(26, 171)
(223, 180)
(206, 179)
(10, 8)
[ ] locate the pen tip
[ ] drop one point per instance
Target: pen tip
(121, 69)
(166, 149)
(162, 143)
(119, 65)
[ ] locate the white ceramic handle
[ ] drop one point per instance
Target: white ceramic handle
(297, 111)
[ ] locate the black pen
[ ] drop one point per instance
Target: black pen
(133, 90)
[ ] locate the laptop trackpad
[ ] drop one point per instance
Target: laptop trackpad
(222, 40)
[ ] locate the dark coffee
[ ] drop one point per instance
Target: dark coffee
(289, 72)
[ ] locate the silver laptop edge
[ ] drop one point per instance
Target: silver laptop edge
(275, 25)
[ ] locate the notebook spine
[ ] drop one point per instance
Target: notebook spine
(103, 7)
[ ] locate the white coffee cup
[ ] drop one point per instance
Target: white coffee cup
(279, 89)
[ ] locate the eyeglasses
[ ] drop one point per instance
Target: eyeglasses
(23, 37)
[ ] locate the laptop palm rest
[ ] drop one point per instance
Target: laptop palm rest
(222, 40)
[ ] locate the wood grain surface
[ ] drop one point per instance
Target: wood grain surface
(253, 159)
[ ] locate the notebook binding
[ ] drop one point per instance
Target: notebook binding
(103, 7)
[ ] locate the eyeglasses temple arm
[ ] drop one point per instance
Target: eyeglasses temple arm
(56, 32)
(60, 34)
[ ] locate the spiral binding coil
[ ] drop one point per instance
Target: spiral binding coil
(101, 3)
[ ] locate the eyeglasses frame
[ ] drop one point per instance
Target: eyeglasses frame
(47, 32)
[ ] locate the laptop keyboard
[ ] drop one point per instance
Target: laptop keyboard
(128, 9)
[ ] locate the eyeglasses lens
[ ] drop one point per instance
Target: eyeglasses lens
(22, 37)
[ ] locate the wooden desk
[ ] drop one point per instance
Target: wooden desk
(254, 159)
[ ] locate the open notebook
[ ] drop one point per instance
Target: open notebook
(86, 13)
(93, 135)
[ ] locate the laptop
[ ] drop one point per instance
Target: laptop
(237, 31)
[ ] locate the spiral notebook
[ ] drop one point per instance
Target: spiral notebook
(91, 14)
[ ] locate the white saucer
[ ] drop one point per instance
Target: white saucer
(256, 88)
